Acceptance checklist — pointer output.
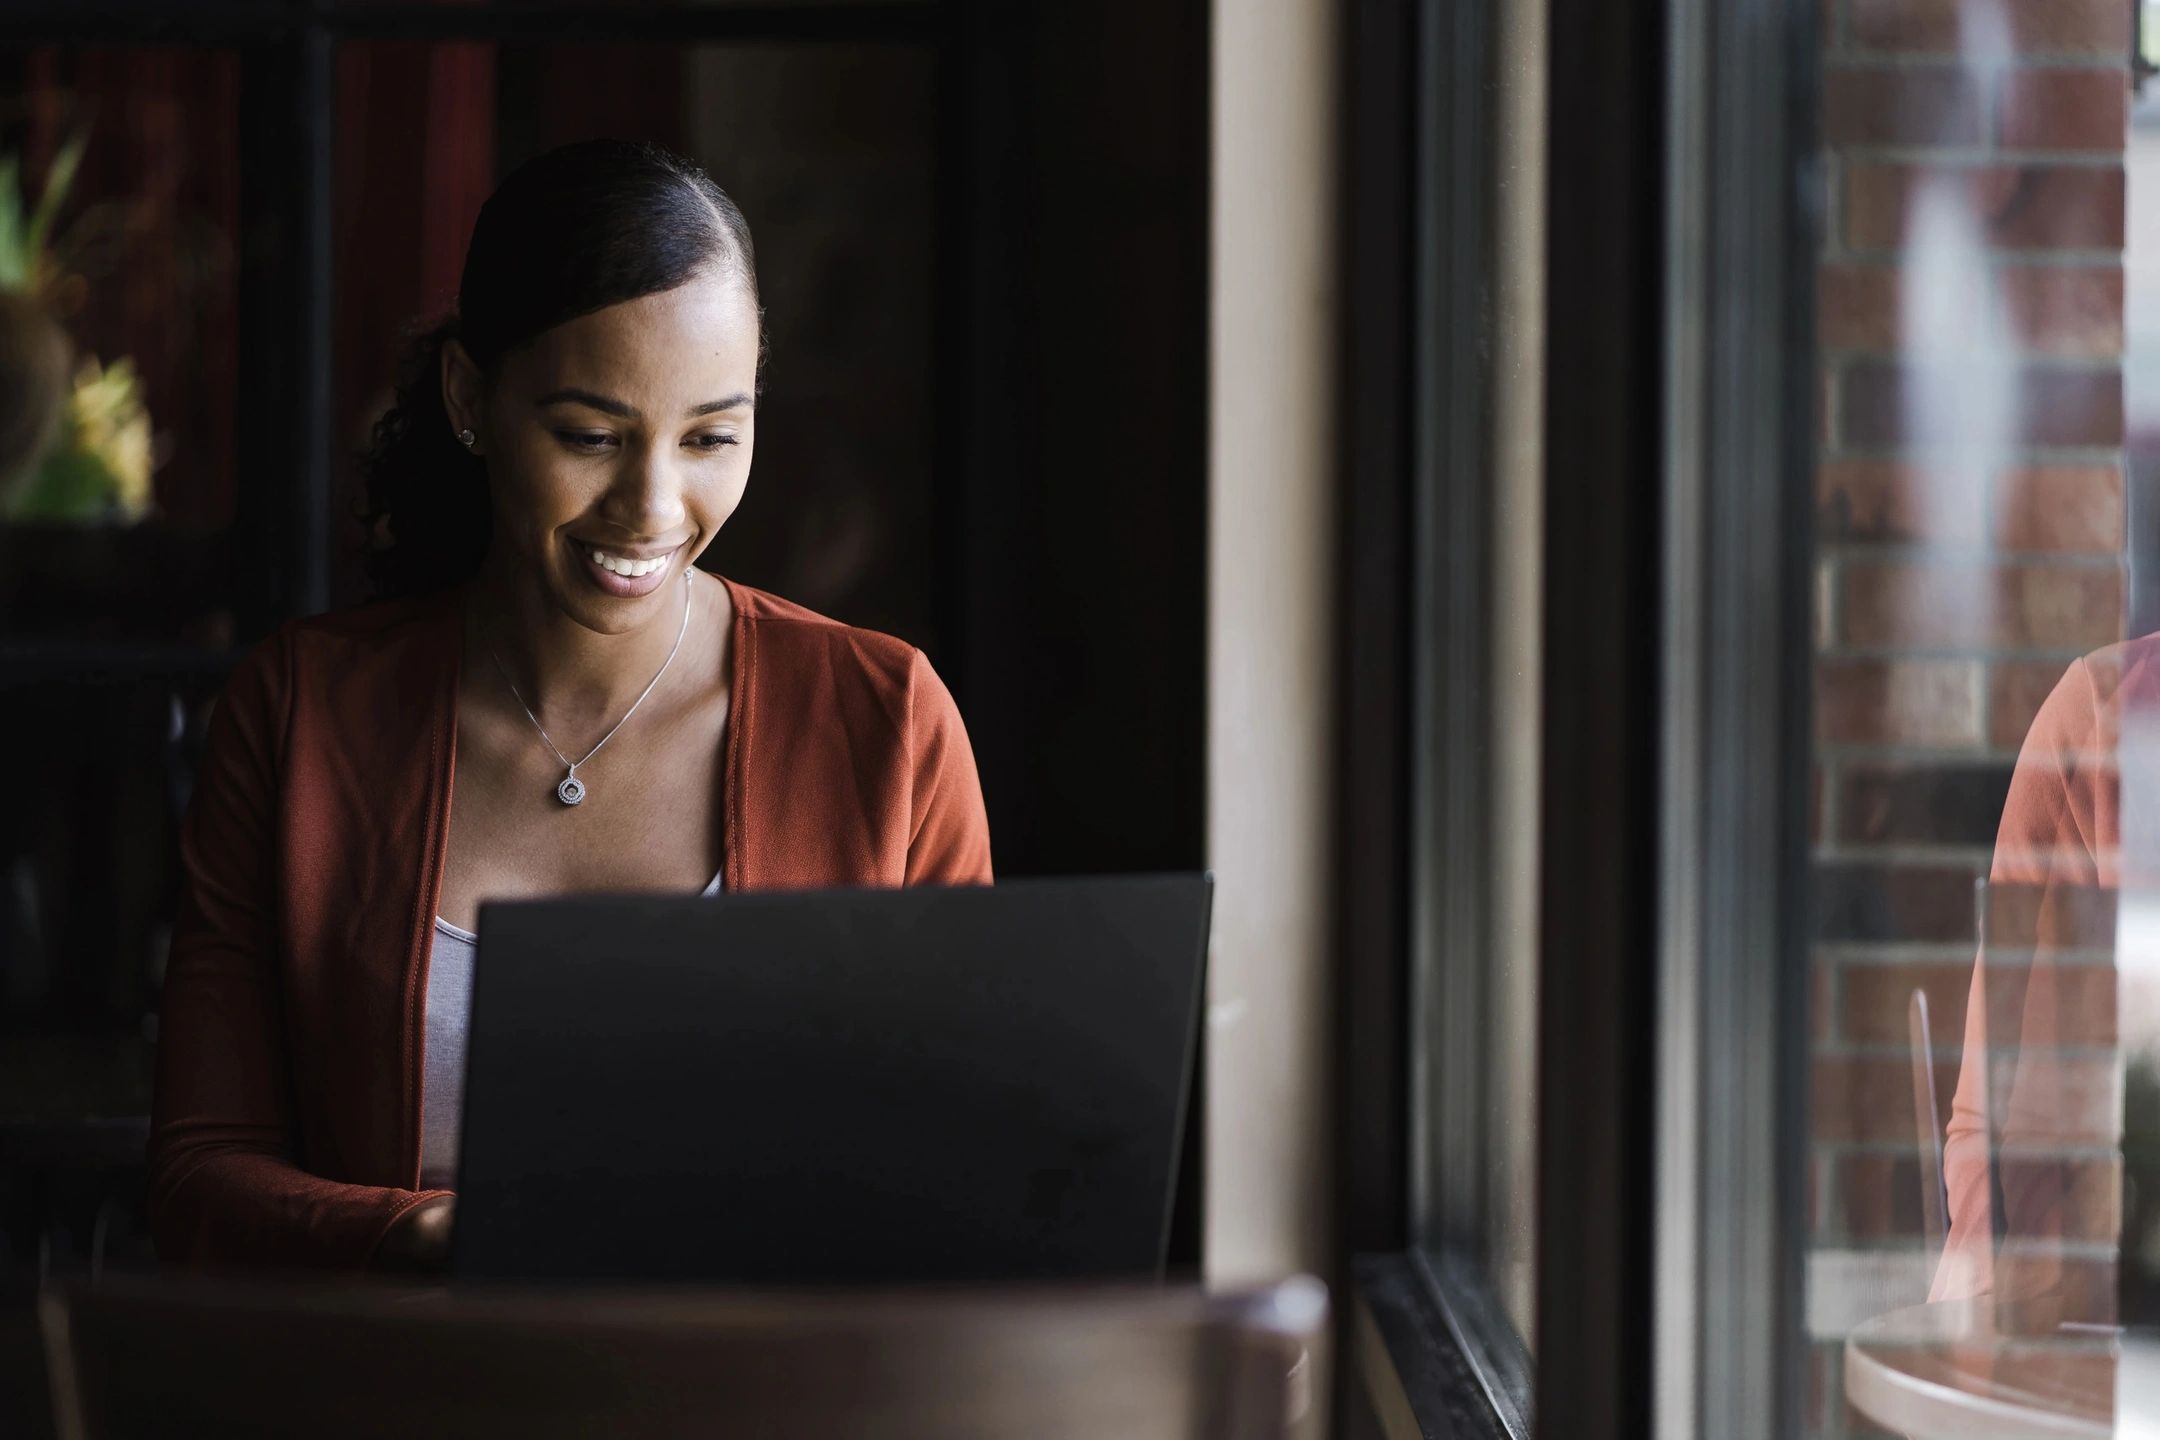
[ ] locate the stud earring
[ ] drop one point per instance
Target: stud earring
(466, 438)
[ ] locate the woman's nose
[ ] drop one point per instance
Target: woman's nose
(647, 496)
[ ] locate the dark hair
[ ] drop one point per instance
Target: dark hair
(570, 232)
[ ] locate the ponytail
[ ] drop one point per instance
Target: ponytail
(423, 487)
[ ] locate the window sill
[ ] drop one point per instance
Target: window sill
(1431, 1354)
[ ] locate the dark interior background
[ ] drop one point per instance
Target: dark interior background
(982, 240)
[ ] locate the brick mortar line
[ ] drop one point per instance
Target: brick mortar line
(1860, 56)
(1833, 1030)
(2053, 656)
(2025, 357)
(1993, 757)
(1895, 1241)
(1972, 157)
(1830, 177)
(1829, 622)
(1923, 552)
(2022, 454)
(1924, 61)
(1832, 815)
(1836, 765)
(1972, 856)
(1914, 755)
(1930, 355)
(1895, 1148)
(2016, 260)
(1919, 756)
(1841, 956)
(2082, 962)
(1898, 1053)
(1899, 1242)
(1871, 952)
(2008, 963)
(2035, 255)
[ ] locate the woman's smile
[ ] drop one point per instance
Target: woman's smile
(624, 575)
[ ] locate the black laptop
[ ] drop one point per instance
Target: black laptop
(837, 1087)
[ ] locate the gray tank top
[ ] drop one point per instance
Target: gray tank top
(442, 1090)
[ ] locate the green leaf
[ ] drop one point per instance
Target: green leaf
(58, 181)
(14, 256)
(72, 484)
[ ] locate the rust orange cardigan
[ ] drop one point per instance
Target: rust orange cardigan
(286, 1126)
(2061, 834)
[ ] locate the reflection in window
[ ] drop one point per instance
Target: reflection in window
(120, 208)
(123, 323)
(1976, 574)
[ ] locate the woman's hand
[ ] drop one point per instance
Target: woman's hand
(418, 1241)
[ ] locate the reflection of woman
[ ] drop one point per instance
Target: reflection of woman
(2026, 1092)
(614, 718)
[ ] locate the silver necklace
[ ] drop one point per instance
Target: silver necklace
(572, 789)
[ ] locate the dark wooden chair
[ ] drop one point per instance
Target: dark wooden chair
(1927, 1131)
(145, 1356)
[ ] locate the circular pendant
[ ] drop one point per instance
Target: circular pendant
(571, 790)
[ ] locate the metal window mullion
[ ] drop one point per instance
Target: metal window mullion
(1681, 841)
(283, 452)
(1452, 610)
(1734, 731)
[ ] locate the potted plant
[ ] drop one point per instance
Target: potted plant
(75, 441)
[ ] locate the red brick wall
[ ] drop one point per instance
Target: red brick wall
(1953, 589)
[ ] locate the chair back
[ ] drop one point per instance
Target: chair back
(148, 1355)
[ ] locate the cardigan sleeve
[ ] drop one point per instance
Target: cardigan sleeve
(224, 1187)
(2047, 846)
(949, 837)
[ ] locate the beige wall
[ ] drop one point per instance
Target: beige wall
(1271, 608)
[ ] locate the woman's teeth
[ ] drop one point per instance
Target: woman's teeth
(629, 568)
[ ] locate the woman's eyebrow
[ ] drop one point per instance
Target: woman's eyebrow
(710, 406)
(576, 396)
(573, 395)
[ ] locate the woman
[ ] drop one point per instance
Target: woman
(612, 718)
(2037, 1093)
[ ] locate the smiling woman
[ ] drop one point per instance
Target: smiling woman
(605, 283)
(620, 440)
(560, 454)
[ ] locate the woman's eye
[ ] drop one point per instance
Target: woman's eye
(585, 439)
(713, 442)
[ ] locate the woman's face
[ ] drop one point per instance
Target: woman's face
(617, 445)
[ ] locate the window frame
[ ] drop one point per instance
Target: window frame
(1681, 220)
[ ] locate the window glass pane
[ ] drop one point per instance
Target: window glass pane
(121, 334)
(120, 410)
(125, 561)
(1980, 1183)
(827, 148)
